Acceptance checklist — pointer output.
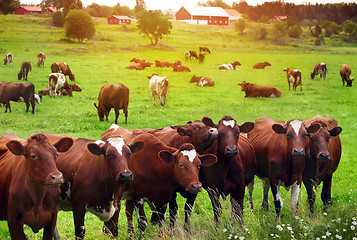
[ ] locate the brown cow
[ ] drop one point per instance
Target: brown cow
(9, 59)
(204, 49)
(280, 151)
(229, 66)
(254, 90)
(323, 160)
(294, 78)
(94, 175)
(115, 96)
(261, 65)
(177, 63)
(320, 68)
(14, 91)
(345, 72)
(24, 71)
(136, 66)
(201, 58)
(29, 183)
(181, 68)
(71, 88)
(193, 54)
(41, 59)
(162, 64)
(61, 67)
(202, 81)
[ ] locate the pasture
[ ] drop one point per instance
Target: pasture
(103, 60)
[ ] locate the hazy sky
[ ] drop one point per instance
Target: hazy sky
(177, 4)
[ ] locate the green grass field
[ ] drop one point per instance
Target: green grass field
(103, 59)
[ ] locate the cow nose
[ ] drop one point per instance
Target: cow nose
(195, 188)
(232, 151)
(125, 177)
(55, 179)
(324, 156)
(298, 152)
(213, 132)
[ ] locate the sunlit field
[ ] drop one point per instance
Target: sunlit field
(103, 59)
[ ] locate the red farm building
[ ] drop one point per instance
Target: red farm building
(25, 10)
(115, 19)
(203, 15)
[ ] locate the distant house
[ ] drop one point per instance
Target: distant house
(203, 15)
(280, 18)
(234, 15)
(25, 10)
(115, 19)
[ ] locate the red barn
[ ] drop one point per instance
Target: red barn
(115, 19)
(25, 10)
(203, 15)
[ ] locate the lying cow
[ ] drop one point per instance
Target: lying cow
(9, 59)
(136, 66)
(25, 69)
(177, 63)
(345, 72)
(41, 59)
(162, 63)
(294, 78)
(61, 67)
(115, 96)
(229, 66)
(254, 90)
(202, 81)
(320, 68)
(57, 81)
(261, 65)
(158, 86)
(181, 68)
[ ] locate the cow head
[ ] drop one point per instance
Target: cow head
(40, 158)
(349, 82)
(187, 164)
(100, 112)
(116, 154)
(201, 135)
(194, 79)
(312, 75)
(72, 77)
(19, 76)
(236, 63)
(75, 87)
(228, 134)
(243, 85)
(267, 64)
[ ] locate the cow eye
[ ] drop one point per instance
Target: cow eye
(306, 135)
(180, 165)
(288, 135)
(108, 156)
(33, 156)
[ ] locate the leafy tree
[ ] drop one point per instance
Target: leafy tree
(264, 19)
(8, 6)
(260, 32)
(279, 30)
(79, 25)
(240, 25)
(67, 5)
(58, 19)
(294, 31)
(215, 3)
(140, 7)
(154, 25)
(349, 26)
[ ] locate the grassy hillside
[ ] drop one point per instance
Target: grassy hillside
(103, 59)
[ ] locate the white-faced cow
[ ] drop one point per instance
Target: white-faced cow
(320, 68)
(9, 59)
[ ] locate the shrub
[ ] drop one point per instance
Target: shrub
(79, 25)
(260, 32)
(58, 19)
(294, 31)
(279, 30)
(240, 25)
(328, 31)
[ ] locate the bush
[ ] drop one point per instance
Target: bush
(260, 32)
(240, 25)
(328, 31)
(58, 19)
(79, 25)
(294, 31)
(279, 30)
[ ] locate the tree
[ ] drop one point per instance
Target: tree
(215, 3)
(294, 31)
(140, 7)
(260, 32)
(67, 5)
(58, 19)
(8, 6)
(279, 30)
(79, 25)
(240, 25)
(154, 25)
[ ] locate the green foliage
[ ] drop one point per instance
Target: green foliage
(349, 26)
(279, 30)
(154, 25)
(79, 25)
(240, 25)
(140, 7)
(260, 32)
(96, 10)
(294, 31)
(215, 3)
(66, 5)
(58, 19)
(8, 6)
(316, 31)
(264, 19)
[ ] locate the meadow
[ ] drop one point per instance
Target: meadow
(103, 59)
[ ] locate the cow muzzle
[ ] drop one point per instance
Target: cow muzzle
(298, 152)
(323, 156)
(231, 151)
(54, 180)
(124, 177)
(195, 188)
(212, 134)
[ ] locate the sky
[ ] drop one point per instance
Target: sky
(175, 5)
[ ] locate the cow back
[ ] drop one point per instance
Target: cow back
(114, 96)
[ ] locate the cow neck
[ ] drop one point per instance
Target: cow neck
(37, 192)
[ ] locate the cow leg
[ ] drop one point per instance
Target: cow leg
(7, 106)
(295, 190)
(129, 209)
(33, 105)
(173, 210)
(111, 227)
(153, 98)
(48, 231)
(16, 230)
(310, 194)
(289, 85)
(300, 87)
(326, 191)
(250, 187)
(142, 220)
(237, 198)
(217, 208)
(188, 210)
(56, 235)
(116, 110)
(278, 201)
(126, 114)
(78, 217)
(266, 186)
(164, 99)
(27, 105)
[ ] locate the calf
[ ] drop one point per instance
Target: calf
(320, 68)
(204, 49)
(294, 78)
(9, 59)
(201, 58)
(261, 65)
(115, 96)
(14, 91)
(29, 183)
(253, 90)
(41, 59)
(162, 64)
(71, 88)
(202, 81)
(61, 67)
(345, 72)
(229, 66)
(158, 86)
(57, 81)
(181, 68)
(25, 69)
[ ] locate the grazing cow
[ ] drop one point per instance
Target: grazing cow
(254, 90)
(14, 91)
(323, 160)
(193, 54)
(25, 69)
(162, 64)
(158, 86)
(320, 68)
(60, 67)
(204, 49)
(115, 96)
(345, 72)
(29, 183)
(280, 149)
(41, 59)
(202, 81)
(229, 66)
(294, 78)
(201, 58)
(9, 59)
(187, 55)
(177, 63)
(261, 65)
(57, 81)
(102, 167)
(181, 68)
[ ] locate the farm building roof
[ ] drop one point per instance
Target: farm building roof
(120, 17)
(207, 11)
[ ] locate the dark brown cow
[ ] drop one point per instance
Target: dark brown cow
(94, 175)
(202, 81)
(61, 67)
(162, 64)
(24, 71)
(320, 68)
(193, 54)
(261, 65)
(294, 78)
(345, 72)
(323, 160)
(254, 90)
(280, 151)
(41, 59)
(204, 49)
(29, 183)
(115, 96)
(181, 68)
(14, 91)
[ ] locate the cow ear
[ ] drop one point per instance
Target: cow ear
(166, 156)
(136, 146)
(64, 144)
(184, 131)
(95, 105)
(95, 149)
(313, 128)
(335, 131)
(16, 148)
(279, 129)
(207, 159)
(208, 122)
(246, 127)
